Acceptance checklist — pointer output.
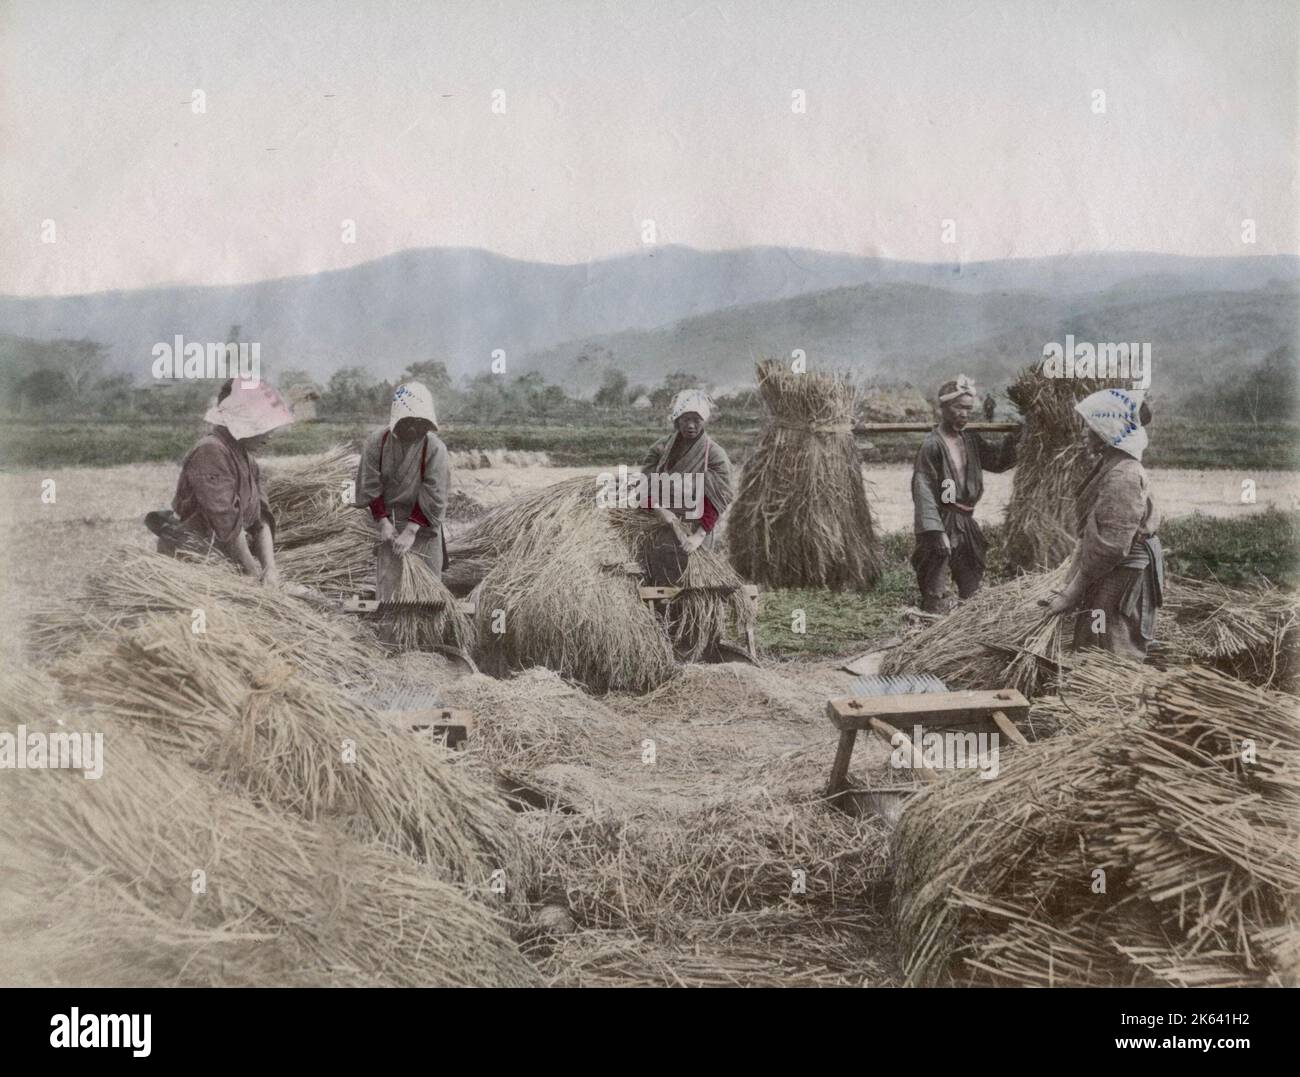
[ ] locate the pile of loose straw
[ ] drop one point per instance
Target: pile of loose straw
(130, 584)
(295, 742)
(1002, 637)
(321, 540)
(1140, 848)
(168, 879)
(1050, 464)
(801, 517)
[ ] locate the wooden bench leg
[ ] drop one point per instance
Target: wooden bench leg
(1008, 729)
(890, 734)
(840, 769)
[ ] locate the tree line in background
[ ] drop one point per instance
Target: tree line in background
(70, 379)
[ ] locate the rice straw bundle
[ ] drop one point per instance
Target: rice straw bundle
(1039, 526)
(996, 880)
(564, 610)
(439, 623)
(340, 564)
(559, 583)
(1250, 633)
(801, 517)
(540, 517)
(321, 539)
(307, 495)
(170, 880)
(131, 584)
(712, 604)
(283, 738)
(1002, 638)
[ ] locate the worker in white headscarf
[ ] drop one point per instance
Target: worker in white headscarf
(690, 453)
(1116, 576)
(404, 479)
(219, 502)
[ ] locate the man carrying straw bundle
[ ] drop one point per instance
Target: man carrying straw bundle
(691, 462)
(404, 479)
(1116, 576)
(219, 502)
(947, 483)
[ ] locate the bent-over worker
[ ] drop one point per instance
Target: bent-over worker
(1116, 575)
(947, 484)
(702, 464)
(404, 479)
(219, 502)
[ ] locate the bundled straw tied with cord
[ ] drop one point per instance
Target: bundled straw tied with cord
(1039, 530)
(1199, 844)
(801, 517)
(558, 593)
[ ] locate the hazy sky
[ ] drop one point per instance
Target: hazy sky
(381, 113)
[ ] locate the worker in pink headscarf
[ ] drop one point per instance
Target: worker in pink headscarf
(219, 503)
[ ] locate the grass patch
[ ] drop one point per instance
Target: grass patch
(1262, 547)
(840, 622)
(92, 443)
(1251, 549)
(100, 444)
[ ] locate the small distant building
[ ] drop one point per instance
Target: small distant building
(303, 400)
(642, 401)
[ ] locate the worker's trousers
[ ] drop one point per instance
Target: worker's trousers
(933, 564)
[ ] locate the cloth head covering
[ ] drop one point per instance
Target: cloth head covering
(950, 390)
(1114, 415)
(252, 408)
(696, 400)
(411, 400)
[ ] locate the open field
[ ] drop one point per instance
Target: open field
(595, 440)
(680, 872)
(98, 507)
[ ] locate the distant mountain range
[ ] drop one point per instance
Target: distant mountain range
(674, 308)
(923, 335)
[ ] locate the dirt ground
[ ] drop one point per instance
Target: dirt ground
(694, 721)
(47, 547)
